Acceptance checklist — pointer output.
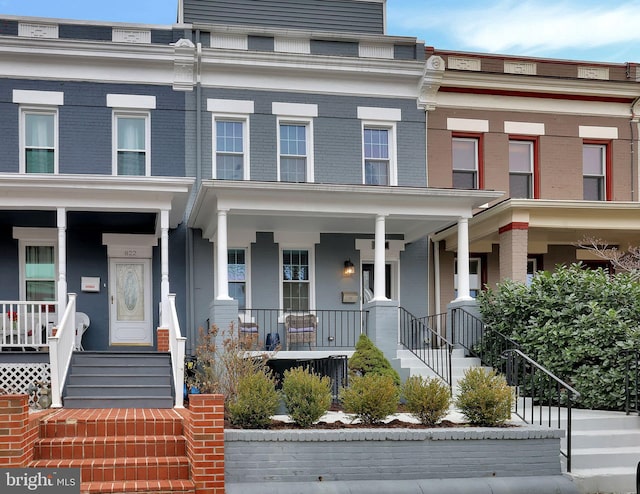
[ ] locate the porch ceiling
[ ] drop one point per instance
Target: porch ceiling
(331, 208)
(552, 223)
(96, 193)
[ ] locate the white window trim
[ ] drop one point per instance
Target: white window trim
(44, 237)
(476, 141)
(131, 101)
(312, 277)
(246, 161)
(604, 149)
(531, 145)
(50, 110)
(393, 152)
(308, 123)
(114, 137)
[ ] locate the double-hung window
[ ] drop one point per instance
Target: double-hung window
(229, 154)
(295, 141)
(379, 153)
(131, 131)
(294, 151)
(377, 156)
(465, 153)
(521, 168)
(594, 171)
(237, 276)
(296, 280)
(132, 143)
(38, 129)
(231, 160)
(38, 266)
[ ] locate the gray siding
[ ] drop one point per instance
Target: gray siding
(331, 253)
(413, 277)
(264, 272)
(337, 136)
(323, 15)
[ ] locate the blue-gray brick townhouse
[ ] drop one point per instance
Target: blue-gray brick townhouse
(257, 163)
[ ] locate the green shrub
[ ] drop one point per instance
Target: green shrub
(427, 399)
(371, 397)
(307, 396)
(367, 358)
(255, 402)
(485, 398)
(575, 322)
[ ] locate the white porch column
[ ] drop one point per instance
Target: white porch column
(379, 260)
(164, 266)
(62, 260)
(222, 292)
(463, 260)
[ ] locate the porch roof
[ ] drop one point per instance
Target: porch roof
(331, 208)
(96, 193)
(551, 222)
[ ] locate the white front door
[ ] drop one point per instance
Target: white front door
(130, 300)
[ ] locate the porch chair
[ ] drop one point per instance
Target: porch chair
(82, 324)
(301, 329)
(247, 332)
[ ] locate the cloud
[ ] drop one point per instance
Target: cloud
(525, 26)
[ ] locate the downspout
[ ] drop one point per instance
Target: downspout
(190, 237)
(633, 124)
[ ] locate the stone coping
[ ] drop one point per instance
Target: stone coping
(381, 434)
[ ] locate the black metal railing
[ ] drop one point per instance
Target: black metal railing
(265, 329)
(481, 340)
(427, 343)
(631, 380)
(335, 367)
(540, 397)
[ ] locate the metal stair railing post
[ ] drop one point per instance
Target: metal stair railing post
(631, 404)
(544, 390)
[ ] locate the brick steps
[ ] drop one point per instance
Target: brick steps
(140, 451)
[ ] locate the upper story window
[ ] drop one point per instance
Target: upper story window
(132, 146)
(294, 151)
(466, 164)
(38, 129)
(379, 152)
(594, 171)
(295, 141)
(521, 169)
(40, 141)
(237, 276)
(229, 155)
(231, 160)
(131, 133)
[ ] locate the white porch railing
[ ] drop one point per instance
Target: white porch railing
(177, 348)
(61, 349)
(27, 324)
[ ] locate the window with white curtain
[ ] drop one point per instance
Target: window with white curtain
(39, 141)
(132, 144)
(40, 272)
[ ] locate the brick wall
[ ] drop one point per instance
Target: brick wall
(18, 431)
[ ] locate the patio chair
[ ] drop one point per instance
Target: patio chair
(247, 332)
(82, 324)
(301, 329)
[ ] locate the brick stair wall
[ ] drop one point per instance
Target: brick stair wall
(142, 451)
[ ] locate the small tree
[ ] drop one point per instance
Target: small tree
(484, 398)
(427, 399)
(255, 402)
(371, 398)
(368, 359)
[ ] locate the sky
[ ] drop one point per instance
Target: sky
(591, 30)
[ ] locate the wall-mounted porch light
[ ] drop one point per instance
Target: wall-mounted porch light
(349, 268)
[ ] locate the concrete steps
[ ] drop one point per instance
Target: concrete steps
(117, 451)
(119, 380)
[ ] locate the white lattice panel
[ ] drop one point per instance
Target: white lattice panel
(16, 379)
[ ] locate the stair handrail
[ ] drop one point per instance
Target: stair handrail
(427, 344)
(631, 404)
(543, 398)
(61, 345)
(177, 344)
